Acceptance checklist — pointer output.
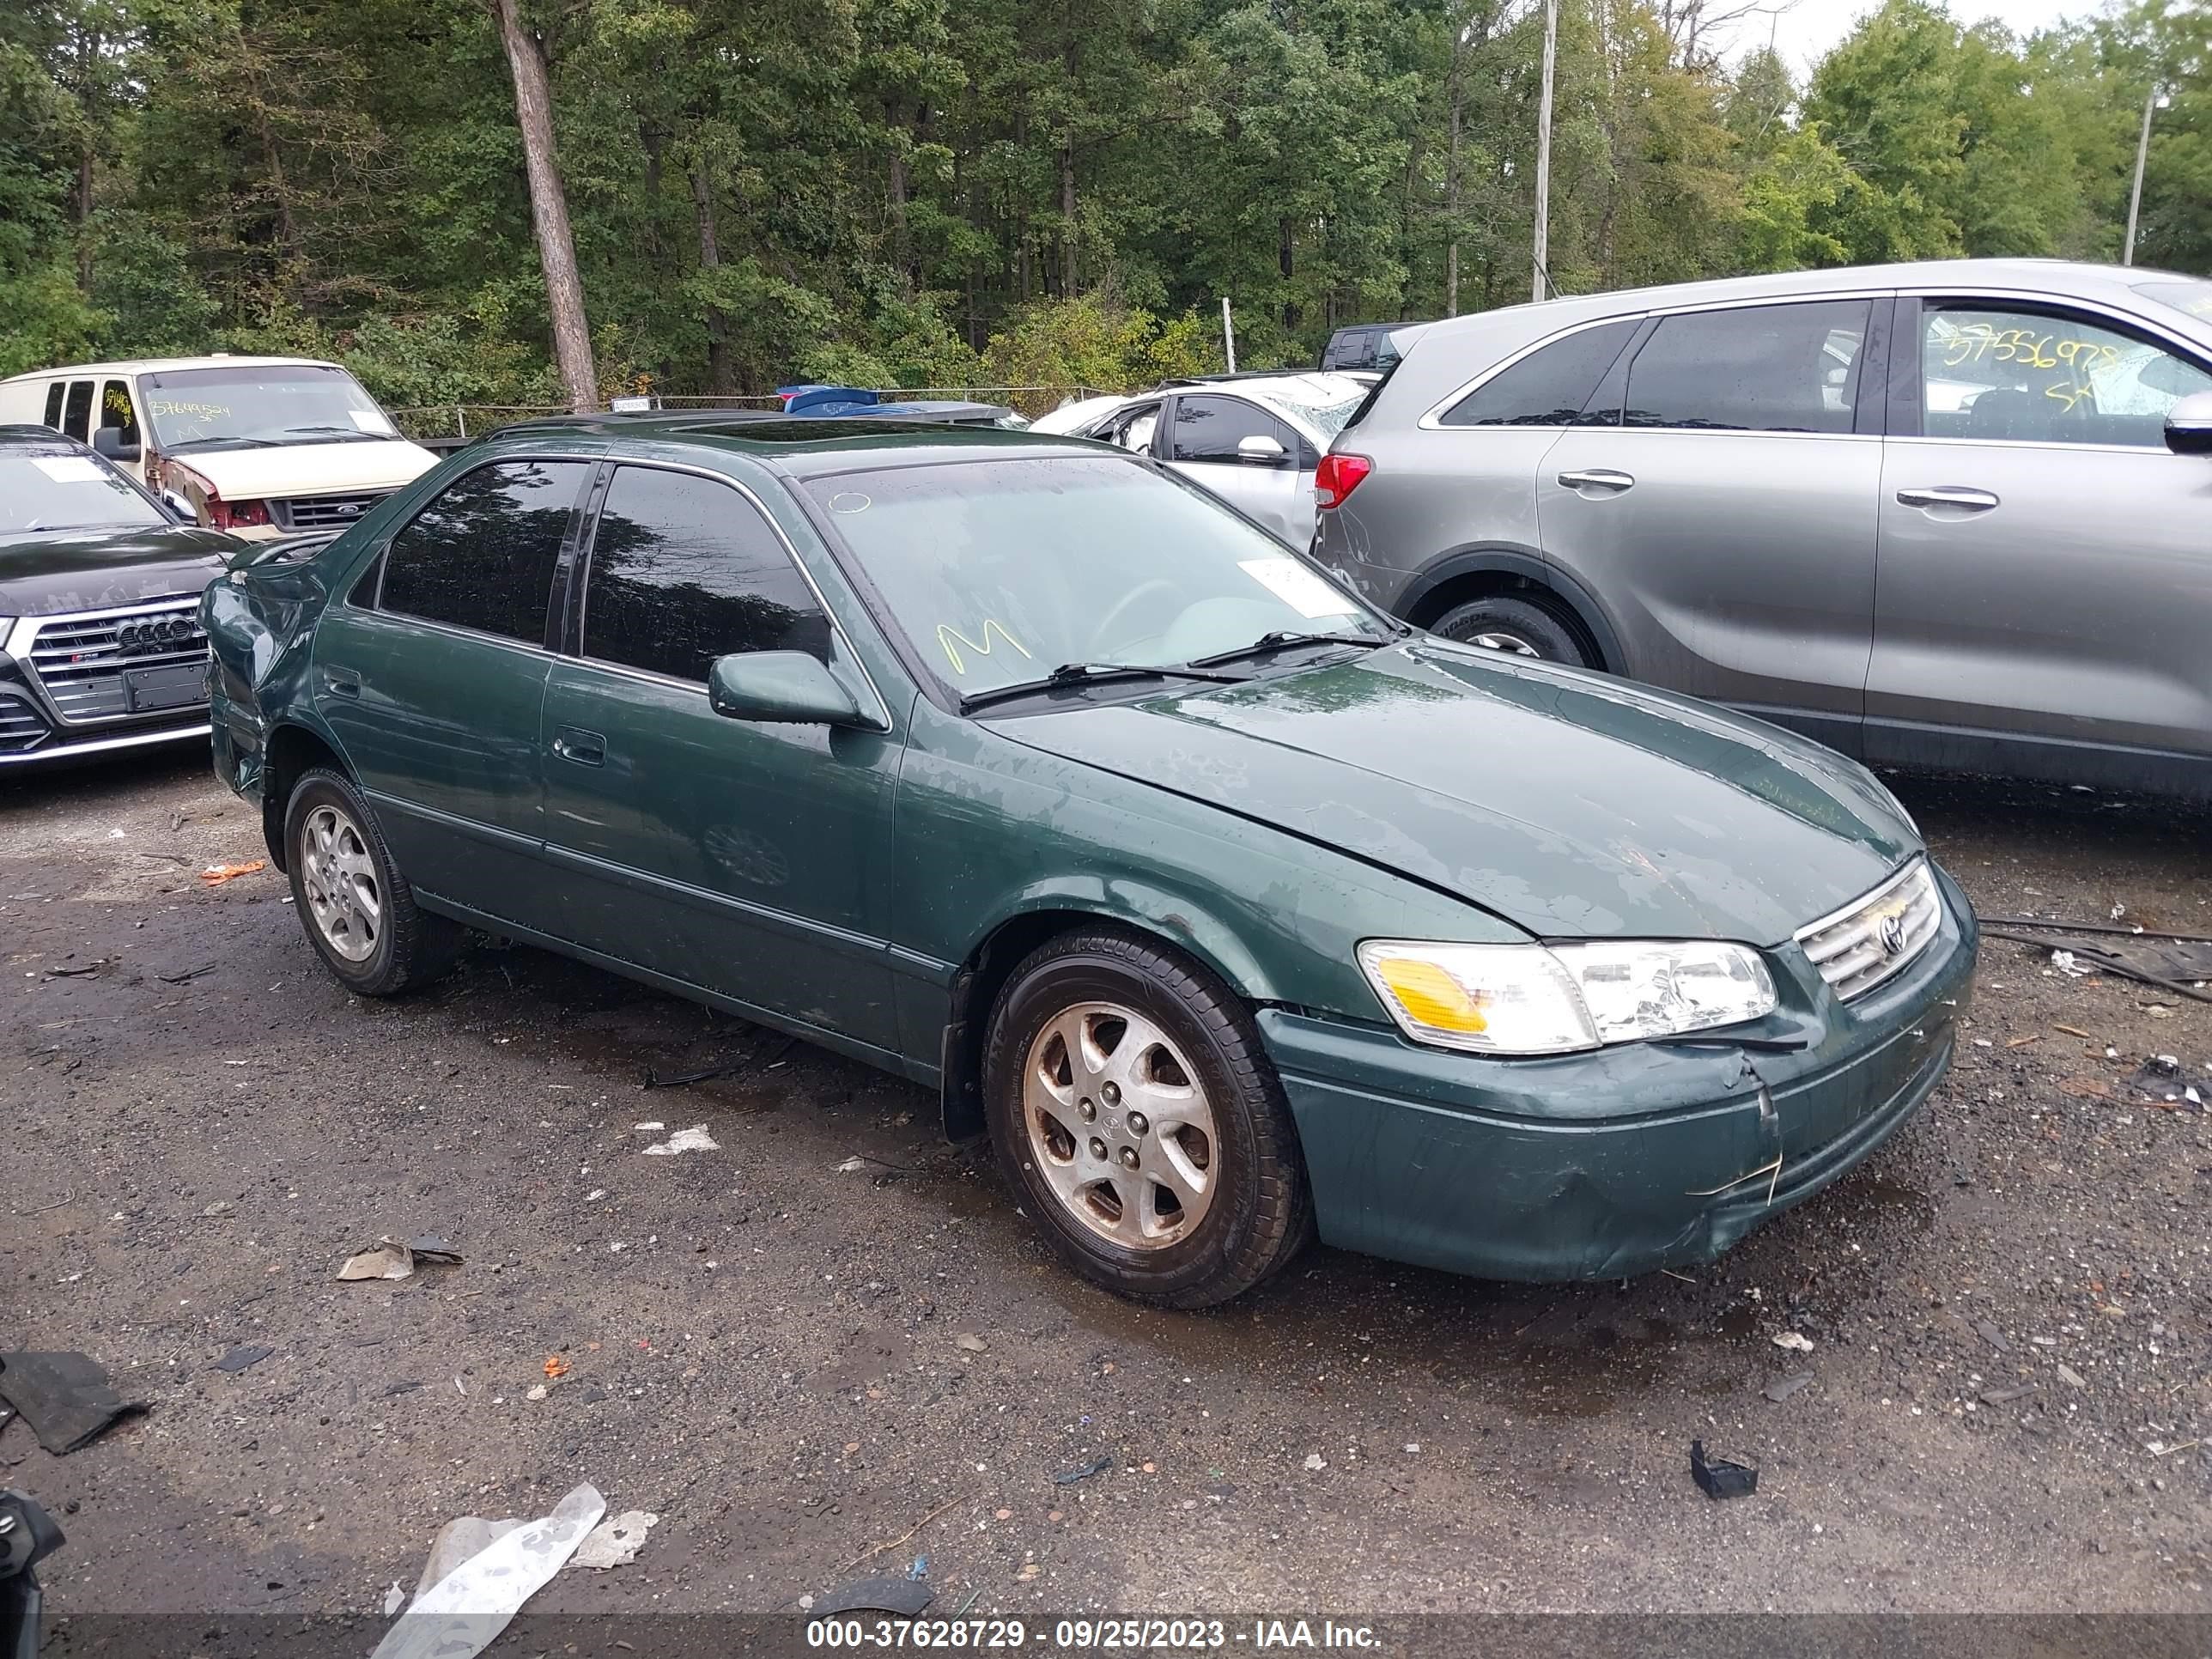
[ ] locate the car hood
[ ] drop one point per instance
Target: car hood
(245, 474)
(51, 571)
(1571, 803)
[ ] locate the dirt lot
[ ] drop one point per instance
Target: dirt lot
(767, 1351)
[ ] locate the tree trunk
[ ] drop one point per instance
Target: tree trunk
(549, 206)
(84, 217)
(720, 381)
(1067, 221)
(1285, 261)
(1451, 197)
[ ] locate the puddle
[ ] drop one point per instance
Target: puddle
(1877, 1192)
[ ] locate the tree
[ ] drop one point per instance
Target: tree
(549, 204)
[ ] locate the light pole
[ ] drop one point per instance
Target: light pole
(2156, 100)
(1541, 280)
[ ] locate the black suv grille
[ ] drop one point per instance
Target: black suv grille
(80, 660)
(21, 726)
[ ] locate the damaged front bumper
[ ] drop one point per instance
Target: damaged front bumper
(1625, 1159)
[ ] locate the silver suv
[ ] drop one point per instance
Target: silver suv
(1953, 515)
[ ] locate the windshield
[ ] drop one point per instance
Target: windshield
(67, 492)
(999, 572)
(1324, 402)
(280, 404)
(2192, 299)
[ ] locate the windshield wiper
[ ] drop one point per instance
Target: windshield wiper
(344, 431)
(1281, 638)
(184, 444)
(1091, 673)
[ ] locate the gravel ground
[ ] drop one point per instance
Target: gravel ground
(791, 1363)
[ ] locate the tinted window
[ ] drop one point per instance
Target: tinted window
(481, 554)
(1549, 387)
(2026, 378)
(115, 411)
(77, 419)
(685, 570)
(1210, 429)
(54, 403)
(1755, 369)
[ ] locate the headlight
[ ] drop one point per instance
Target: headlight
(1540, 999)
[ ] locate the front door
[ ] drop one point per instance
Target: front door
(431, 675)
(1725, 512)
(2046, 563)
(747, 859)
(1206, 443)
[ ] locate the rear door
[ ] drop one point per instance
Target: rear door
(2045, 577)
(431, 674)
(1270, 481)
(1724, 510)
(746, 857)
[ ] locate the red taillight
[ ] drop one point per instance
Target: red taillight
(235, 515)
(1338, 476)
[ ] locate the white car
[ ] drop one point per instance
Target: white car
(1252, 439)
(260, 447)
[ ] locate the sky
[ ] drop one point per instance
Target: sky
(1804, 31)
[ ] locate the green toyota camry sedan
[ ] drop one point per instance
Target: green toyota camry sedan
(1231, 910)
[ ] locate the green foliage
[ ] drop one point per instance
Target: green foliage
(1095, 342)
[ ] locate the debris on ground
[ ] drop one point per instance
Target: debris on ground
(1315, 1463)
(695, 1140)
(2173, 962)
(464, 1610)
(66, 1398)
(2006, 1396)
(2159, 1079)
(1083, 1472)
(537, 1392)
(1783, 1387)
(394, 1599)
(1795, 1341)
(2072, 1378)
(969, 1342)
(1987, 1330)
(770, 1055)
(240, 1359)
(394, 1258)
(1717, 1478)
(555, 1366)
(216, 874)
(615, 1541)
(892, 1594)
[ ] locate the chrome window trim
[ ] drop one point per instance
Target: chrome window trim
(880, 720)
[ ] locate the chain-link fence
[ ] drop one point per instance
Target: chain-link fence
(451, 422)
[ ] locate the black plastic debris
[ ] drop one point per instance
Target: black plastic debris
(27, 1535)
(895, 1593)
(2161, 1079)
(1717, 1478)
(66, 1398)
(1083, 1472)
(239, 1358)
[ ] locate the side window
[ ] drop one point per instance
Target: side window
(115, 411)
(2025, 377)
(1132, 429)
(54, 403)
(1751, 368)
(1210, 429)
(76, 417)
(685, 570)
(1547, 387)
(482, 554)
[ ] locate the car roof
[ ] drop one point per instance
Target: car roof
(42, 440)
(165, 364)
(803, 448)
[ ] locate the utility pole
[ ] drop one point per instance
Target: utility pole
(1228, 335)
(1541, 281)
(2154, 101)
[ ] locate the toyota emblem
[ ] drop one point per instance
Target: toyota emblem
(1891, 936)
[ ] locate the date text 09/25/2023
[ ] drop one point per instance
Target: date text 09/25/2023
(1257, 1633)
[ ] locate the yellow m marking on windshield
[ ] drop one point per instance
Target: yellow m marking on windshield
(947, 634)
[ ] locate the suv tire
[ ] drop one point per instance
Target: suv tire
(1517, 627)
(359, 912)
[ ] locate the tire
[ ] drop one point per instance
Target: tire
(1516, 627)
(1173, 1073)
(358, 910)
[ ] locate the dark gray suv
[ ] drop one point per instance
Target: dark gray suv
(1954, 515)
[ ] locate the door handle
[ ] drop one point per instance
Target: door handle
(573, 743)
(1598, 478)
(1974, 501)
(341, 681)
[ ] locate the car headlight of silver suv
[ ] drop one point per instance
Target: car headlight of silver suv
(1557, 998)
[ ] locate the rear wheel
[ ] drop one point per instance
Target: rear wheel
(1518, 628)
(1133, 1107)
(358, 909)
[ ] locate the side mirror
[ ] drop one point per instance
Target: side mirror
(2189, 425)
(787, 688)
(1260, 450)
(108, 441)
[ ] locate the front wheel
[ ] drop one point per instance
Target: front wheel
(1133, 1108)
(358, 909)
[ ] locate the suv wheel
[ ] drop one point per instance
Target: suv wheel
(1516, 627)
(1135, 1113)
(358, 909)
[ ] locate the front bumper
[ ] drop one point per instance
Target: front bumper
(1619, 1161)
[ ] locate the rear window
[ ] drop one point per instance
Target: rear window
(1550, 385)
(1751, 368)
(2190, 298)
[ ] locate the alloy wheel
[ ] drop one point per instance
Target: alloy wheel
(339, 875)
(1119, 1126)
(1512, 645)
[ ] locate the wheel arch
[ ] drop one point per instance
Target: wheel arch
(290, 750)
(1165, 918)
(1473, 573)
